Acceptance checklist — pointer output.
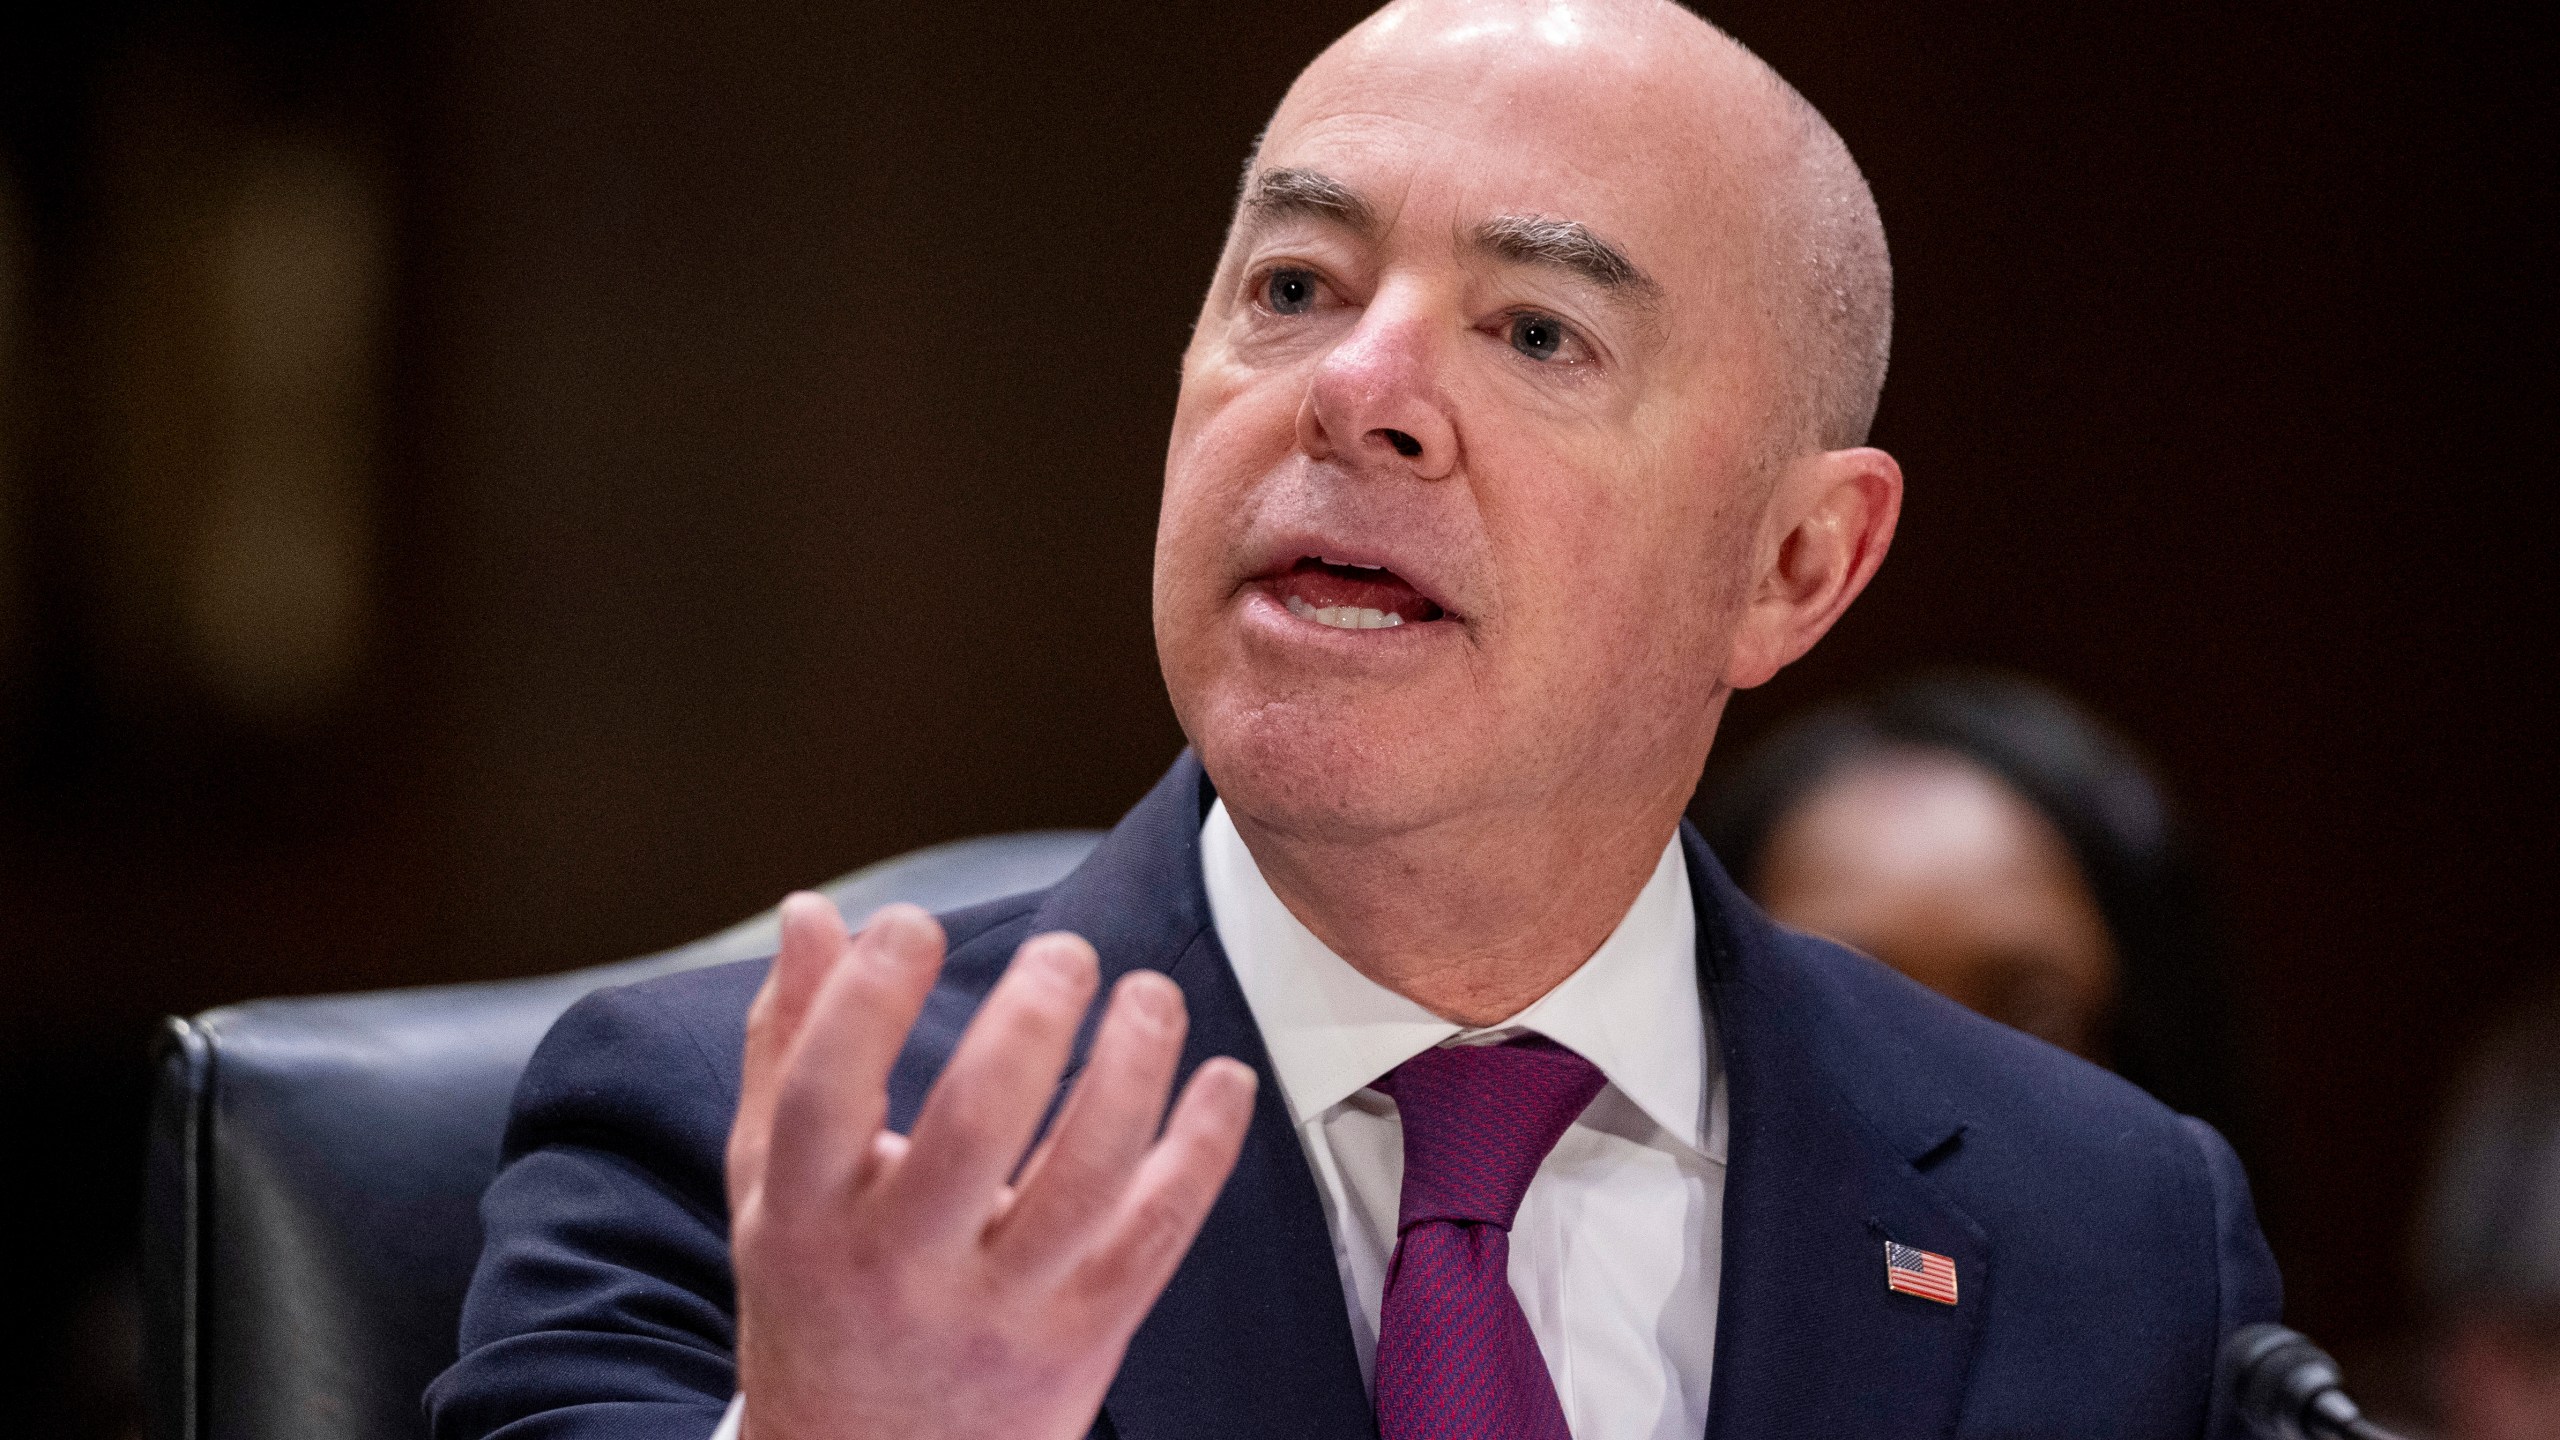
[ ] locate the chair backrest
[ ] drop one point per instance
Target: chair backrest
(314, 1169)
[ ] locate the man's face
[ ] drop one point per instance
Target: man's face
(1464, 480)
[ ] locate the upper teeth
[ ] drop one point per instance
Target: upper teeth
(1345, 617)
(1347, 564)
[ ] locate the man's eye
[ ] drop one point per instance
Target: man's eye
(1536, 336)
(1290, 292)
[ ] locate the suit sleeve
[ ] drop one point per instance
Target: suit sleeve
(2251, 1290)
(603, 1304)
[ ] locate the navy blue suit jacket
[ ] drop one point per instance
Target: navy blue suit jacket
(2103, 1245)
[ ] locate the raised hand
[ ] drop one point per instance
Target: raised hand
(911, 1286)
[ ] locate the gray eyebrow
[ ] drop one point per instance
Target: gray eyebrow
(1287, 191)
(1568, 245)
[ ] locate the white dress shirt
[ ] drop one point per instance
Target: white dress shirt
(1617, 1248)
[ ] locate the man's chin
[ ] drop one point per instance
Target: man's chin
(1335, 776)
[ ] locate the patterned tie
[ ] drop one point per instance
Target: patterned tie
(1456, 1357)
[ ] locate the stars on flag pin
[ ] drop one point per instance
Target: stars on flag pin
(1925, 1273)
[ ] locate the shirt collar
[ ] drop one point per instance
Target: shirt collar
(1633, 1009)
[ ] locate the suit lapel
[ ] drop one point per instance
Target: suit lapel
(1819, 1175)
(1252, 1338)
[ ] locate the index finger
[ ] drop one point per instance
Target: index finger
(831, 1088)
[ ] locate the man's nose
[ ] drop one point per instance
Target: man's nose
(1376, 399)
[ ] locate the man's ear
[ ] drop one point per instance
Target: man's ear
(1830, 520)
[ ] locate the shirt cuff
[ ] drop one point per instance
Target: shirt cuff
(733, 1422)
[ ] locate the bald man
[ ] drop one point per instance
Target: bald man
(1523, 423)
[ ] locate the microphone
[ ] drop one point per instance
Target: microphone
(2288, 1388)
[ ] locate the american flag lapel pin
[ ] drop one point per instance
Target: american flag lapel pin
(1924, 1273)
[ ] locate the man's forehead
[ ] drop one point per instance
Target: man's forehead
(1553, 135)
(1402, 132)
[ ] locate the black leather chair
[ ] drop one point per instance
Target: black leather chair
(315, 1166)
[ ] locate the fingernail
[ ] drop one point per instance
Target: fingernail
(1153, 997)
(1058, 957)
(899, 950)
(1240, 1076)
(801, 909)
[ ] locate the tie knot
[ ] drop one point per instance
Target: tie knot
(1479, 1120)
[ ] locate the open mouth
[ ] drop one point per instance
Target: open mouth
(1352, 597)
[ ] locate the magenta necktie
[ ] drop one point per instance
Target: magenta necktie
(1456, 1357)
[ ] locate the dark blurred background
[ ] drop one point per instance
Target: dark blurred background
(497, 487)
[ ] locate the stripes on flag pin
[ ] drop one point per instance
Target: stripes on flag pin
(1924, 1273)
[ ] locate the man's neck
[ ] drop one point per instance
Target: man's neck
(1471, 921)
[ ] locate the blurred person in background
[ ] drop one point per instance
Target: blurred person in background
(2489, 1249)
(1992, 840)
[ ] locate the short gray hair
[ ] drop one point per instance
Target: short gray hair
(1828, 282)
